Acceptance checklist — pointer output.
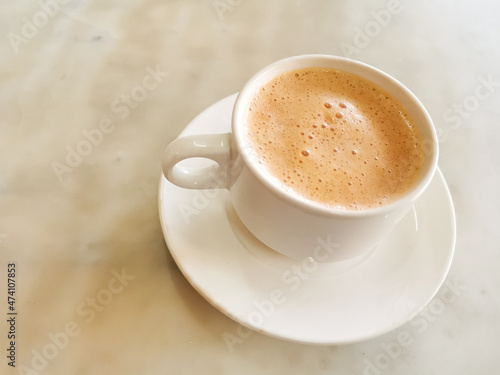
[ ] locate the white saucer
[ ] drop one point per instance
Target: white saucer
(333, 303)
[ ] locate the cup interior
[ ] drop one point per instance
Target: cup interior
(388, 83)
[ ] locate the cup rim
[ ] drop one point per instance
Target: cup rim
(322, 60)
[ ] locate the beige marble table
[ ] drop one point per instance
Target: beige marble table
(92, 92)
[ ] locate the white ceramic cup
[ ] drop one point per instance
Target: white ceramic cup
(287, 223)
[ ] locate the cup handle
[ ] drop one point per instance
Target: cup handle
(216, 147)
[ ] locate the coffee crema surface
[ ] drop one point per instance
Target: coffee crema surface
(334, 138)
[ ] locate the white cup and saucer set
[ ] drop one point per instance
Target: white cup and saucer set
(283, 266)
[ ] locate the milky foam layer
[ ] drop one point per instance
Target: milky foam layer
(334, 138)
